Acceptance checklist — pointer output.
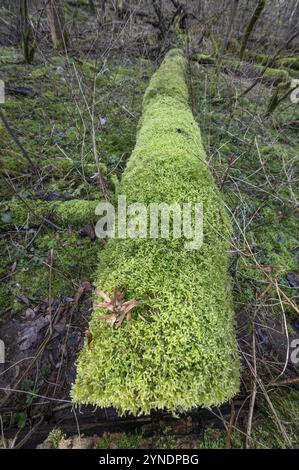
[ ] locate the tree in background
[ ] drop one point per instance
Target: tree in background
(256, 14)
(92, 7)
(228, 34)
(27, 38)
(56, 20)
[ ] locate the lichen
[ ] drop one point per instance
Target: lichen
(179, 350)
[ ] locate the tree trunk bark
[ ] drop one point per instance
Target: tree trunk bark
(229, 30)
(56, 20)
(256, 14)
(92, 7)
(26, 33)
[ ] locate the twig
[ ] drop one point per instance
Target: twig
(294, 380)
(2, 432)
(253, 396)
(50, 290)
(228, 439)
(16, 140)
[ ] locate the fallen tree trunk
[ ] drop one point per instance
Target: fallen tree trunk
(93, 422)
(290, 63)
(179, 349)
(253, 20)
(249, 70)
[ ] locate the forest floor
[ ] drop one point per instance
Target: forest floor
(70, 110)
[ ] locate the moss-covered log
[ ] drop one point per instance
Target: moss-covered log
(271, 75)
(289, 63)
(179, 349)
(74, 212)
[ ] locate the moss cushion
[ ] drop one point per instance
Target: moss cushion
(179, 349)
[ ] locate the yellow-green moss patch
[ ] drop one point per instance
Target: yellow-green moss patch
(179, 350)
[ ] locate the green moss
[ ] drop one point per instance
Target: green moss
(280, 246)
(9, 54)
(273, 75)
(179, 349)
(204, 58)
(212, 439)
(50, 129)
(121, 441)
(76, 211)
(42, 71)
(288, 62)
(64, 213)
(275, 248)
(291, 64)
(260, 58)
(74, 260)
(55, 436)
(266, 433)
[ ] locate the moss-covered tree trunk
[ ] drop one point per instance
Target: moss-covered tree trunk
(179, 348)
(92, 7)
(56, 20)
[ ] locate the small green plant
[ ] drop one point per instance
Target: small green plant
(55, 437)
(212, 439)
(120, 441)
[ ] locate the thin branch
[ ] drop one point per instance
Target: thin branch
(16, 140)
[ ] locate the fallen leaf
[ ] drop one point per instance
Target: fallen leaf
(120, 309)
(84, 287)
(23, 299)
(88, 335)
(29, 314)
(6, 217)
(60, 69)
(29, 334)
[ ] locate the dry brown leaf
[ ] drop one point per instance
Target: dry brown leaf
(84, 287)
(120, 309)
